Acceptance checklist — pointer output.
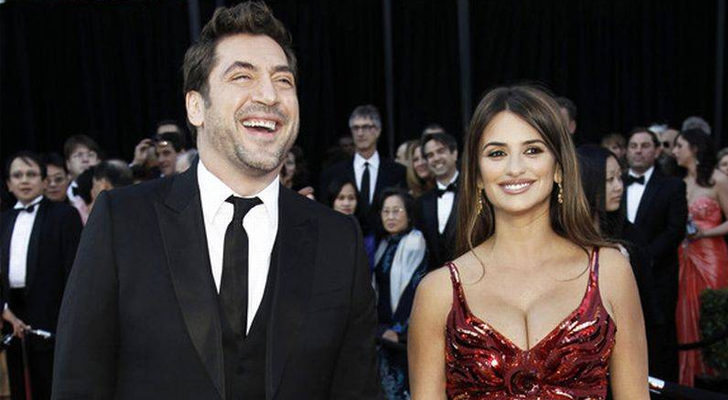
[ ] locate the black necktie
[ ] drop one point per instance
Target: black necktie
(633, 179)
(365, 184)
(234, 281)
(450, 188)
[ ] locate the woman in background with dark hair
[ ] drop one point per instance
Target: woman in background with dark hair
(400, 264)
(537, 305)
(703, 255)
(341, 195)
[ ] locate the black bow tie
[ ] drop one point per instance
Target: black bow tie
(75, 191)
(29, 209)
(450, 188)
(633, 179)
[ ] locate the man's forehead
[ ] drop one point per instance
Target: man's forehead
(361, 120)
(80, 147)
(257, 50)
(21, 163)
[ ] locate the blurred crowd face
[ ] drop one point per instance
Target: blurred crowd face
(401, 156)
(80, 160)
(614, 188)
(166, 157)
(517, 170)
(667, 140)
(250, 116)
(346, 143)
(56, 183)
(365, 134)
(420, 164)
(616, 148)
(290, 164)
(570, 123)
(723, 164)
(345, 201)
(641, 152)
(25, 181)
(394, 215)
(441, 161)
(682, 152)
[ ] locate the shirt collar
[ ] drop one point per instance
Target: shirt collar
(20, 206)
(214, 192)
(647, 173)
(373, 160)
(454, 178)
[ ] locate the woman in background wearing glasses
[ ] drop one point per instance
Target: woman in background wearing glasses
(400, 263)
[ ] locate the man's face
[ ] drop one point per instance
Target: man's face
(250, 119)
(347, 144)
(440, 159)
(641, 152)
(570, 123)
(56, 183)
(365, 134)
(167, 158)
(25, 181)
(80, 160)
(667, 141)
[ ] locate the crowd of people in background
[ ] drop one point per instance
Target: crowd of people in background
(661, 192)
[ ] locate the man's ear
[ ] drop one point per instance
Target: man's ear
(194, 103)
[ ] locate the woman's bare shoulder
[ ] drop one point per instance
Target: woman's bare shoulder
(615, 273)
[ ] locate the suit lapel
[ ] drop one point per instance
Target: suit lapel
(650, 190)
(429, 210)
(183, 234)
(297, 241)
(379, 184)
(34, 244)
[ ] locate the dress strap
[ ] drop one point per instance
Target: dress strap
(594, 268)
(457, 287)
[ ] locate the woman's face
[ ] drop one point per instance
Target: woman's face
(517, 170)
(684, 155)
(394, 215)
(614, 187)
(345, 201)
(401, 156)
(723, 164)
(419, 163)
(290, 164)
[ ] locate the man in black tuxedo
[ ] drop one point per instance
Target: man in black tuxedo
(219, 283)
(371, 173)
(657, 208)
(436, 214)
(39, 239)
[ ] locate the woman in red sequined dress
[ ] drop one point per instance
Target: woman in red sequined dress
(703, 256)
(537, 305)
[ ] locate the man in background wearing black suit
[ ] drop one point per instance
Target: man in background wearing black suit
(657, 208)
(371, 173)
(220, 283)
(435, 212)
(39, 239)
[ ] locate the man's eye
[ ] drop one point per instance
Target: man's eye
(241, 77)
(286, 81)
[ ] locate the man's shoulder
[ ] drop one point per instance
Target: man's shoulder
(393, 166)
(311, 208)
(146, 192)
(339, 166)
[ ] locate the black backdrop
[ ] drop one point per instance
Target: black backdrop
(112, 68)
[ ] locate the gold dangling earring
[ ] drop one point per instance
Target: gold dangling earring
(560, 196)
(480, 202)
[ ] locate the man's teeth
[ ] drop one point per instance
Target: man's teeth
(516, 186)
(260, 123)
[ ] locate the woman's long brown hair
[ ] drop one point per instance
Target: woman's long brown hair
(572, 219)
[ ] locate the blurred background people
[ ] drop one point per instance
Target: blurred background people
(295, 173)
(81, 153)
(185, 160)
(107, 175)
(400, 263)
(656, 206)
(57, 178)
(419, 178)
(39, 239)
(342, 196)
(703, 254)
(696, 122)
(617, 144)
(722, 164)
(568, 112)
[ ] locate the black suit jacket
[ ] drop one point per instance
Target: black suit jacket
(389, 174)
(441, 248)
(51, 250)
(140, 317)
(660, 227)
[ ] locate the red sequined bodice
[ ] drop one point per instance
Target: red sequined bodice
(570, 362)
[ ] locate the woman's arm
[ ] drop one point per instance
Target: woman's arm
(426, 338)
(721, 191)
(628, 363)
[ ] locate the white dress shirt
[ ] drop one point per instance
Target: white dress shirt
(635, 192)
(373, 171)
(444, 204)
(261, 226)
(19, 243)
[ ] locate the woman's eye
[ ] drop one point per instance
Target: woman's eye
(533, 150)
(496, 153)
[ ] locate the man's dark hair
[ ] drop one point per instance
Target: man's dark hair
(55, 160)
(176, 139)
(432, 128)
(444, 138)
(569, 105)
(27, 157)
(366, 111)
(116, 172)
(168, 122)
(251, 17)
(79, 140)
(642, 129)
